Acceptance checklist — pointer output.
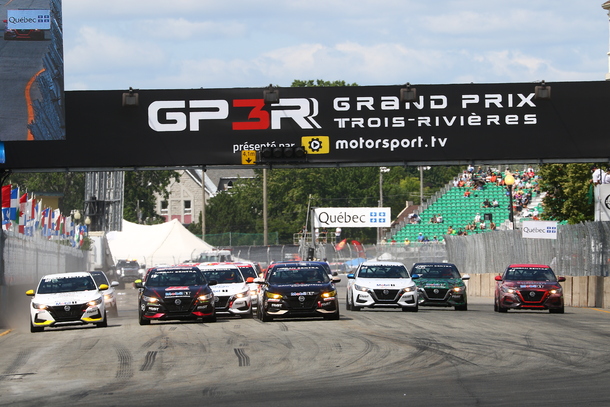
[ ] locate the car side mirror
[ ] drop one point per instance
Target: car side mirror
(139, 284)
(498, 278)
(335, 279)
(561, 279)
(259, 280)
(465, 277)
(414, 276)
(250, 280)
(114, 284)
(103, 287)
(351, 275)
(29, 293)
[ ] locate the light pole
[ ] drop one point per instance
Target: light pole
(381, 171)
(510, 181)
(606, 6)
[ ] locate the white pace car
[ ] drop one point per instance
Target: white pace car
(67, 299)
(381, 284)
(232, 292)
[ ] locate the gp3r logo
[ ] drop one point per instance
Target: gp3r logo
(181, 115)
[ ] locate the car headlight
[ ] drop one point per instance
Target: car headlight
(360, 288)
(243, 294)
(205, 297)
(95, 302)
(37, 305)
(508, 290)
(107, 297)
(273, 296)
(556, 291)
(409, 289)
(329, 294)
(146, 298)
(459, 290)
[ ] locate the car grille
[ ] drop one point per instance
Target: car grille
(60, 314)
(532, 295)
(184, 306)
(295, 304)
(221, 302)
(438, 295)
(386, 295)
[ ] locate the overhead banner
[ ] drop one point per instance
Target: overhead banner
(537, 229)
(352, 217)
(337, 126)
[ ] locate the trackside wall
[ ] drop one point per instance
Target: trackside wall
(24, 260)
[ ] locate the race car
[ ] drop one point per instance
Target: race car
(232, 292)
(302, 289)
(529, 286)
(441, 285)
(175, 293)
(67, 299)
(381, 284)
(109, 294)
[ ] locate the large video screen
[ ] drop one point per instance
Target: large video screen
(31, 71)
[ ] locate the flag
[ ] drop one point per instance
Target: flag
(21, 214)
(6, 204)
(14, 203)
(340, 245)
(359, 248)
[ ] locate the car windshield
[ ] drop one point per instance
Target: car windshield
(129, 264)
(52, 285)
(248, 271)
(298, 275)
(383, 271)
(169, 278)
(100, 279)
(436, 271)
(224, 276)
(529, 274)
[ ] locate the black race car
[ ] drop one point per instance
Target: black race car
(175, 293)
(302, 289)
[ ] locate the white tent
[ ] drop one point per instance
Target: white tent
(166, 243)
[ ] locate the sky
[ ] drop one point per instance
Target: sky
(186, 44)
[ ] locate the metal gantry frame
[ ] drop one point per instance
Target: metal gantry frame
(104, 191)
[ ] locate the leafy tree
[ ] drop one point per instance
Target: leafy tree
(567, 188)
(139, 200)
(69, 185)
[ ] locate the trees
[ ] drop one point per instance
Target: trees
(139, 201)
(567, 188)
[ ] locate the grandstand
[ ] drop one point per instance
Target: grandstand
(458, 211)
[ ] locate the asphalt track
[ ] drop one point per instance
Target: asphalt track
(437, 356)
(20, 62)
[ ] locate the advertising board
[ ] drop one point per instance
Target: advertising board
(28, 19)
(352, 217)
(537, 229)
(337, 126)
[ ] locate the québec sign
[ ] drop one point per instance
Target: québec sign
(352, 217)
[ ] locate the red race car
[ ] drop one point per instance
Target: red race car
(529, 286)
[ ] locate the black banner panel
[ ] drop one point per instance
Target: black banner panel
(435, 124)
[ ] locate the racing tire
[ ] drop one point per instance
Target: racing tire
(210, 319)
(34, 328)
(411, 309)
(144, 321)
(495, 306)
(502, 309)
(461, 307)
(333, 317)
(104, 322)
(557, 310)
(249, 315)
(265, 317)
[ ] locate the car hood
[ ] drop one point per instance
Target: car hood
(229, 289)
(531, 284)
(439, 282)
(76, 297)
(300, 289)
(390, 283)
(175, 292)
